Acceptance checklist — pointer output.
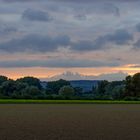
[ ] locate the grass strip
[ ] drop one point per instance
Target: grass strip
(28, 101)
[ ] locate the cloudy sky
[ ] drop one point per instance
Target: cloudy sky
(43, 38)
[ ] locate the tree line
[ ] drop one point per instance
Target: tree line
(31, 88)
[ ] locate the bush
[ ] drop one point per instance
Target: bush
(130, 98)
(31, 92)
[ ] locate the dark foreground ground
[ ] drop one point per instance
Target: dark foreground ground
(69, 122)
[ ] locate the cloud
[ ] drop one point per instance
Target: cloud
(135, 66)
(36, 15)
(109, 8)
(35, 43)
(120, 37)
(138, 27)
(10, 1)
(5, 29)
(57, 63)
(137, 45)
(80, 17)
(77, 76)
(40, 43)
(81, 11)
(75, 1)
(84, 46)
(85, 1)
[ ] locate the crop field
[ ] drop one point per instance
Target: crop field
(69, 121)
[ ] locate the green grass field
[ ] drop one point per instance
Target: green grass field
(21, 101)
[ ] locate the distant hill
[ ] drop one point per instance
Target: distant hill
(70, 76)
(86, 85)
(83, 81)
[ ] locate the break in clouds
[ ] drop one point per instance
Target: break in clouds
(107, 31)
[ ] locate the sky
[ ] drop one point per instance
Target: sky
(43, 38)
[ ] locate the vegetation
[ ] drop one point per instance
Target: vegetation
(55, 86)
(132, 88)
(28, 101)
(67, 92)
(31, 88)
(110, 90)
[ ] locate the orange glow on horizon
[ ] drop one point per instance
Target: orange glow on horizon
(39, 72)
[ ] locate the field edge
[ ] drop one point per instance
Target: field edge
(30, 101)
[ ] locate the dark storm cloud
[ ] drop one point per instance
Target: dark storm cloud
(57, 63)
(120, 37)
(35, 43)
(36, 15)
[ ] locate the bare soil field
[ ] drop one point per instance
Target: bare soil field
(69, 122)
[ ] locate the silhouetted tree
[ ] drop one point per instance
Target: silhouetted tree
(132, 87)
(31, 92)
(66, 91)
(3, 79)
(7, 88)
(55, 86)
(101, 89)
(31, 81)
